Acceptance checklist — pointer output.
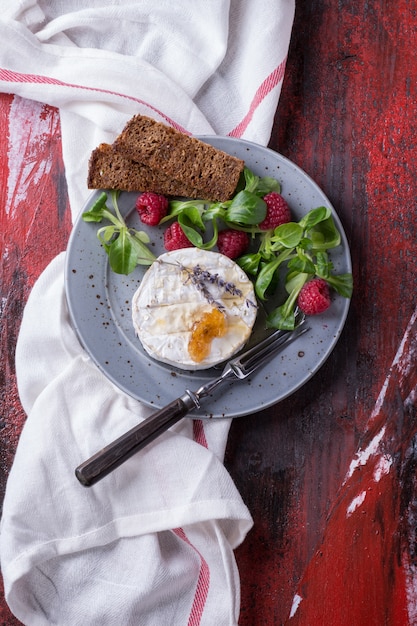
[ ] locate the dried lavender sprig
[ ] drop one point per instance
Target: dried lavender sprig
(215, 279)
(199, 277)
(199, 284)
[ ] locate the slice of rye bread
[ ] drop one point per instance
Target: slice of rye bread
(207, 172)
(109, 169)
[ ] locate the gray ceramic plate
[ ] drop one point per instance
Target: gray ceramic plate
(100, 306)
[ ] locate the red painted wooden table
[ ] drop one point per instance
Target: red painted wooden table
(329, 474)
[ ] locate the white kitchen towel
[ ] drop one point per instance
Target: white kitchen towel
(152, 543)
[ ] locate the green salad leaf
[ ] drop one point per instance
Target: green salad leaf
(125, 247)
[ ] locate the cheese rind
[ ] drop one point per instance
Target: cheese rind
(167, 305)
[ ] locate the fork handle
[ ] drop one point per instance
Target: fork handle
(117, 452)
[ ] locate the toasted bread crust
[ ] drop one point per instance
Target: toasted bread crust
(109, 169)
(149, 156)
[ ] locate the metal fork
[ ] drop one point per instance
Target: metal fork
(239, 368)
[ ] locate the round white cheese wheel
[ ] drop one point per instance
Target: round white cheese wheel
(176, 292)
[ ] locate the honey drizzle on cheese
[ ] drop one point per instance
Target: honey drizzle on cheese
(212, 324)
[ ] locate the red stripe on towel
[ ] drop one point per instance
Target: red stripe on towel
(203, 583)
(274, 78)
(35, 79)
(199, 435)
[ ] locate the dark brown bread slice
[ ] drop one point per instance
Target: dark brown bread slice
(109, 169)
(205, 170)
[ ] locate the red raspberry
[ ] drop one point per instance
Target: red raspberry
(314, 297)
(232, 243)
(151, 208)
(175, 238)
(278, 211)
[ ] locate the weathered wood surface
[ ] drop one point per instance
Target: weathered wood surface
(329, 473)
